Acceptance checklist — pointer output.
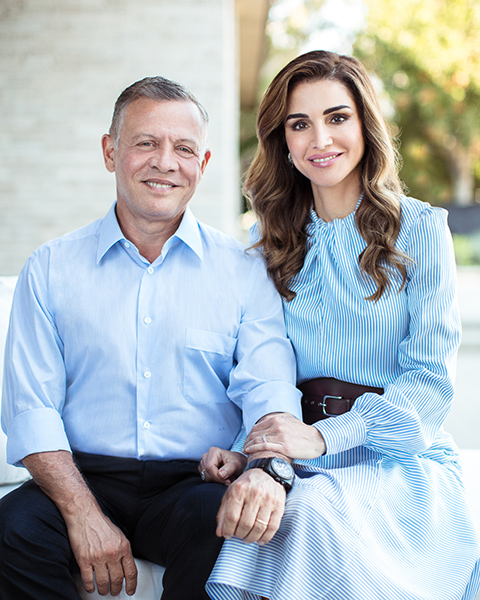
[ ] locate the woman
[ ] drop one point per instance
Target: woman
(378, 508)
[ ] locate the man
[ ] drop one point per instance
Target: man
(135, 344)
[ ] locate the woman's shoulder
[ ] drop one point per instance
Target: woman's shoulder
(417, 213)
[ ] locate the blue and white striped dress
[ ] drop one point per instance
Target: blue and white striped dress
(382, 515)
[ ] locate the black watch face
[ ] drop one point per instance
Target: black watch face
(282, 468)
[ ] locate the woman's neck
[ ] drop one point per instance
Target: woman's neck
(335, 203)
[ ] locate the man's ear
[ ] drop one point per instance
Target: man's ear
(108, 148)
(205, 160)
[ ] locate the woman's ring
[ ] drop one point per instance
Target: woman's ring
(202, 475)
(262, 522)
(264, 438)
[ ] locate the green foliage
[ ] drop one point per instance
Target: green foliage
(427, 55)
(467, 249)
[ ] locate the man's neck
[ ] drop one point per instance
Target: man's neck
(149, 237)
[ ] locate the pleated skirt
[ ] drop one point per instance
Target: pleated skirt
(362, 526)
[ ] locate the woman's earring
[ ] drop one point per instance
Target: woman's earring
(289, 158)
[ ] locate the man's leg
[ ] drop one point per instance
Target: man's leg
(36, 560)
(35, 555)
(177, 529)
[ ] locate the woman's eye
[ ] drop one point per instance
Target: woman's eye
(299, 125)
(338, 118)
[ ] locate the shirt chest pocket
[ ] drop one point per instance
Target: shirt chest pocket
(209, 359)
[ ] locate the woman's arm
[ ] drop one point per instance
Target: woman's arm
(410, 414)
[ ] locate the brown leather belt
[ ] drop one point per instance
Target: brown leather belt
(326, 397)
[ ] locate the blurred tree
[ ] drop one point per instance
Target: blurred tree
(427, 55)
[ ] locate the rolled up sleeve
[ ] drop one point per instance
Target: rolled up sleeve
(34, 372)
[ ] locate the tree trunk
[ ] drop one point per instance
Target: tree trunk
(461, 171)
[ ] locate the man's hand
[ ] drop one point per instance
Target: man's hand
(222, 466)
(252, 508)
(101, 550)
(285, 435)
(103, 553)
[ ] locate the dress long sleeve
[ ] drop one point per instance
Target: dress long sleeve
(405, 343)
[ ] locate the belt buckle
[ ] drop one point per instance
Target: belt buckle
(324, 404)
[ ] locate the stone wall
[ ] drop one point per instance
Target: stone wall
(62, 65)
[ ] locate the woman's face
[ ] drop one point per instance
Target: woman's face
(324, 136)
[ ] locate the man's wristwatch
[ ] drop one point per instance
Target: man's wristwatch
(278, 468)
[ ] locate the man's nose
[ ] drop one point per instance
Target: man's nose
(164, 159)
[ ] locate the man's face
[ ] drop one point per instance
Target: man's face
(158, 160)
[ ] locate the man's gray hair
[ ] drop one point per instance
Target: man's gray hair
(156, 88)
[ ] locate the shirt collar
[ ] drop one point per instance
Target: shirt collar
(189, 232)
(110, 233)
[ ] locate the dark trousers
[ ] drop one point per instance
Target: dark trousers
(164, 509)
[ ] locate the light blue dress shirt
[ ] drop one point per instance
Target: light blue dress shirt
(109, 354)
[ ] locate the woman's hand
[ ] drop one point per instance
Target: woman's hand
(222, 466)
(284, 434)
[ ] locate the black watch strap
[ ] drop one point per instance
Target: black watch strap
(278, 468)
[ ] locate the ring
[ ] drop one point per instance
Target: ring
(262, 522)
(264, 438)
(202, 475)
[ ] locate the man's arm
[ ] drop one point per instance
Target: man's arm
(262, 383)
(254, 504)
(101, 550)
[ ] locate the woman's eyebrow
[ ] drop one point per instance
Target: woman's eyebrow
(325, 112)
(335, 108)
(297, 116)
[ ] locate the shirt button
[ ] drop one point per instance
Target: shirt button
(146, 425)
(147, 374)
(147, 320)
(126, 244)
(150, 270)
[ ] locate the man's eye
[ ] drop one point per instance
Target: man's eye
(185, 149)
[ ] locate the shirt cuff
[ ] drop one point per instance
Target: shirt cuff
(276, 396)
(33, 431)
(343, 432)
(239, 442)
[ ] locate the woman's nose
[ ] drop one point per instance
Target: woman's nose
(322, 137)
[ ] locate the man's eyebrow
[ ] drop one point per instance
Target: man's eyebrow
(190, 141)
(325, 112)
(145, 135)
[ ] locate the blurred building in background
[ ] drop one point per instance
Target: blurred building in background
(63, 63)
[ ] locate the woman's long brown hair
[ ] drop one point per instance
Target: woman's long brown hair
(282, 197)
